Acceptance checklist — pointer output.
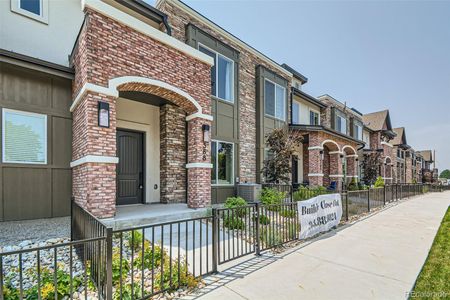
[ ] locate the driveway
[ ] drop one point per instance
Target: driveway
(378, 257)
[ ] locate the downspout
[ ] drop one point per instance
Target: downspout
(166, 24)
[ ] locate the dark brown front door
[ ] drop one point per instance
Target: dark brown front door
(130, 175)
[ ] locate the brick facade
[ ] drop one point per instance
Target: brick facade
(106, 50)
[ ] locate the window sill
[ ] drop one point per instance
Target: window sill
(274, 118)
(230, 102)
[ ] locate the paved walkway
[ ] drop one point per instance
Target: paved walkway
(378, 257)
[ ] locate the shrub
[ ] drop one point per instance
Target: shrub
(305, 193)
(353, 185)
(270, 237)
(233, 202)
(135, 240)
(233, 222)
(288, 213)
(264, 220)
(272, 196)
(379, 182)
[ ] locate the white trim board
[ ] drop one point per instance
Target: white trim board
(94, 159)
(200, 165)
(315, 175)
(138, 25)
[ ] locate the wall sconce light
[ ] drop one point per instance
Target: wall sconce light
(321, 154)
(103, 114)
(206, 136)
(357, 159)
(341, 155)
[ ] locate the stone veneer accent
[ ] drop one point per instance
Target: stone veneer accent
(107, 49)
(173, 154)
(178, 20)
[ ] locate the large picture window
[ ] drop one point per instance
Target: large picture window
(24, 137)
(222, 75)
(274, 100)
(341, 124)
(222, 158)
(358, 132)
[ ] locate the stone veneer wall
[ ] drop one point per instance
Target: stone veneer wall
(107, 49)
(178, 20)
(173, 154)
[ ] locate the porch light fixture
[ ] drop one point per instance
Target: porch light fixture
(206, 136)
(321, 154)
(341, 155)
(103, 114)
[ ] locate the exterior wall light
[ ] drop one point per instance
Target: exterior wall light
(206, 135)
(103, 114)
(321, 154)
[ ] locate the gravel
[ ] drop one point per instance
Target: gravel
(13, 233)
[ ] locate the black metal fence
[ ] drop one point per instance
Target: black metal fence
(141, 262)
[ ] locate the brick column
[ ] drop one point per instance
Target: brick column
(336, 173)
(199, 165)
(352, 167)
(315, 175)
(94, 156)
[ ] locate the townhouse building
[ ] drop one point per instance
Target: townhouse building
(429, 173)
(116, 103)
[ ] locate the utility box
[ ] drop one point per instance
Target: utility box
(249, 191)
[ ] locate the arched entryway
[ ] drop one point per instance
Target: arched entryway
(331, 164)
(350, 162)
(388, 173)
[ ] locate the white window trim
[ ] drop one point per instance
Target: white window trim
(217, 74)
(24, 113)
(42, 17)
(318, 115)
(284, 93)
(232, 166)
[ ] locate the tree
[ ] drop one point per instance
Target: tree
(370, 166)
(445, 174)
(282, 144)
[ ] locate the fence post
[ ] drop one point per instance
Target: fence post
(257, 239)
(368, 200)
(215, 242)
(346, 206)
(384, 195)
(109, 254)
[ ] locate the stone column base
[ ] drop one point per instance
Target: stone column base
(199, 187)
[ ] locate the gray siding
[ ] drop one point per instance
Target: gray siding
(30, 191)
(265, 124)
(225, 126)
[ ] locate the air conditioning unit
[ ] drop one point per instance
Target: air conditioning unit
(249, 191)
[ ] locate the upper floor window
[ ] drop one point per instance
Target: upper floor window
(366, 139)
(314, 118)
(295, 112)
(341, 124)
(358, 132)
(24, 137)
(222, 75)
(274, 100)
(35, 9)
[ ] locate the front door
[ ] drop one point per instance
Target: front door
(130, 170)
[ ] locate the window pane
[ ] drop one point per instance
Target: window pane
(214, 162)
(213, 68)
(24, 137)
(280, 102)
(344, 126)
(295, 113)
(269, 98)
(224, 163)
(33, 6)
(225, 79)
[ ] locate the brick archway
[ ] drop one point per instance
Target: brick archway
(133, 60)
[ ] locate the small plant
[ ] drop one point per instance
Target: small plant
(264, 220)
(233, 222)
(270, 237)
(379, 182)
(135, 240)
(288, 213)
(353, 185)
(305, 193)
(272, 196)
(233, 202)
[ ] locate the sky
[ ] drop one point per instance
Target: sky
(371, 54)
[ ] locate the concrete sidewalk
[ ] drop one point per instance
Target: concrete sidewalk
(378, 257)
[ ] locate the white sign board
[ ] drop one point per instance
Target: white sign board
(319, 214)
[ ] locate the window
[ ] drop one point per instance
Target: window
(222, 158)
(24, 137)
(222, 76)
(366, 139)
(313, 118)
(35, 9)
(295, 112)
(274, 100)
(341, 124)
(358, 132)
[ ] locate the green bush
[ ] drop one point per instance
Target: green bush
(270, 237)
(264, 220)
(379, 182)
(135, 240)
(353, 185)
(288, 213)
(272, 196)
(305, 193)
(233, 222)
(234, 202)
